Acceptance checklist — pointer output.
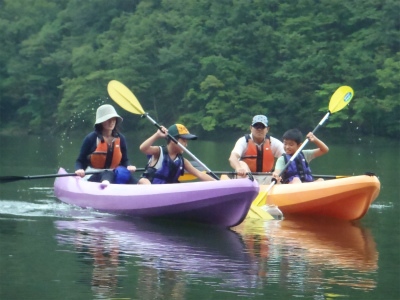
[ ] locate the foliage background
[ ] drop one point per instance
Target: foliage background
(209, 64)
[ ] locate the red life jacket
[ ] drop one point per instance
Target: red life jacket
(105, 156)
(259, 160)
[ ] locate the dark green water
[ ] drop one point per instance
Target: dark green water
(50, 250)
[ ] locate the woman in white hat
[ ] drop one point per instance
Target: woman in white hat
(105, 150)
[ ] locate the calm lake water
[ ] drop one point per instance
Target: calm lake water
(50, 250)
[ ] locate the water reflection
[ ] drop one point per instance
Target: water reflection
(310, 253)
(160, 259)
(165, 255)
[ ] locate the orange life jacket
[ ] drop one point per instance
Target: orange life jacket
(105, 156)
(259, 160)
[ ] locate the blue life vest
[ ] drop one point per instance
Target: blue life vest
(168, 171)
(297, 168)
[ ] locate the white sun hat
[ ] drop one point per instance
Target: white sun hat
(106, 112)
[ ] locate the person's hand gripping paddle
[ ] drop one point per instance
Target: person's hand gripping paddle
(127, 100)
(339, 100)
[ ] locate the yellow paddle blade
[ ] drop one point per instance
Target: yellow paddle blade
(340, 98)
(124, 97)
(256, 212)
(261, 199)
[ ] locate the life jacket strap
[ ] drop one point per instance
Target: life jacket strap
(109, 156)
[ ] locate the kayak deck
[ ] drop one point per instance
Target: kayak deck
(344, 198)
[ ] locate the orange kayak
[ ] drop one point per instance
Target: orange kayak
(345, 198)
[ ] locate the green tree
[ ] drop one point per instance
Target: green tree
(209, 64)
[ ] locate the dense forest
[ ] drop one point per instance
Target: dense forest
(208, 64)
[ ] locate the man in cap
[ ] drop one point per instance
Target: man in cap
(166, 163)
(256, 152)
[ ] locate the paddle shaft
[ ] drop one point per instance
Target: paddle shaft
(5, 179)
(270, 173)
(127, 100)
(260, 173)
(304, 144)
(188, 176)
(182, 147)
(299, 150)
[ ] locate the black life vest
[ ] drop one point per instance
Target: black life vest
(297, 168)
(168, 171)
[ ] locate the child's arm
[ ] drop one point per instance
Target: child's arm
(279, 165)
(147, 146)
(322, 148)
(192, 170)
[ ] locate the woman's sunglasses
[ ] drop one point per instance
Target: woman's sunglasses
(259, 126)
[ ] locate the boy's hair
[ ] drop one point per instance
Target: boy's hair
(169, 140)
(294, 135)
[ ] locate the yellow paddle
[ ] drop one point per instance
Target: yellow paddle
(128, 101)
(256, 212)
(339, 100)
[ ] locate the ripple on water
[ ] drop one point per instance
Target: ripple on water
(45, 208)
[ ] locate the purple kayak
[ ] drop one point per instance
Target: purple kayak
(225, 202)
